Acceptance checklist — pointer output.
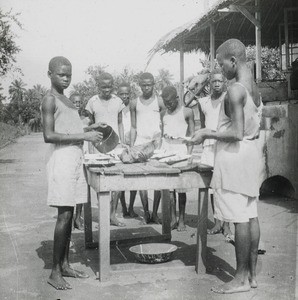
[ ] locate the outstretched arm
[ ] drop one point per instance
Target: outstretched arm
(120, 127)
(189, 118)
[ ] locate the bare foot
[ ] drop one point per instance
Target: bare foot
(174, 225)
(58, 282)
(155, 219)
(114, 221)
(253, 282)
(146, 218)
(78, 223)
(68, 271)
(226, 229)
(235, 286)
(215, 230)
(132, 214)
(125, 214)
(181, 226)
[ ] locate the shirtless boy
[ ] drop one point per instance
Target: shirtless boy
(237, 163)
(146, 112)
(63, 130)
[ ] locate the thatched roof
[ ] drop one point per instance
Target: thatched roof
(195, 34)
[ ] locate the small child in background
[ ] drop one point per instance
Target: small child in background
(124, 94)
(77, 100)
(176, 122)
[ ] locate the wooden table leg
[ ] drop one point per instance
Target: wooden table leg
(104, 235)
(202, 231)
(166, 213)
(88, 218)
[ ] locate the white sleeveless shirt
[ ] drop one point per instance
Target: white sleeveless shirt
(148, 121)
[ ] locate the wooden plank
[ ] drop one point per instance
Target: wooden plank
(258, 43)
(181, 73)
(88, 218)
(188, 180)
(201, 253)
(212, 45)
(166, 212)
(104, 235)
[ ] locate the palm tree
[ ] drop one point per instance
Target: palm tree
(17, 90)
(40, 90)
(163, 79)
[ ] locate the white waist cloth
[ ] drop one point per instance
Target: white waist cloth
(65, 176)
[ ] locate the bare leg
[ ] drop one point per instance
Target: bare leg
(182, 203)
(174, 223)
(217, 228)
(114, 203)
(242, 248)
(60, 251)
(123, 204)
(156, 201)
(255, 239)
(132, 199)
(144, 199)
(78, 220)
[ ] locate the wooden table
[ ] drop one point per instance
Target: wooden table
(144, 176)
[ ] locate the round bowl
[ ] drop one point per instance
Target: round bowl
(153, 253)
(109, 141)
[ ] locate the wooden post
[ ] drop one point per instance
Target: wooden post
(258, 43)
(201, 255)
(280, 45)
(166, 213)
(286, 38)
(104, 235)
(212, 46)
(88, 218)
(181, 73)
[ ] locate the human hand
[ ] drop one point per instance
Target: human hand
(98, 125)
(93, 136)
(198, 137)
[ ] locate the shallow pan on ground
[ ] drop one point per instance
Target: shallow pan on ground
(153, 253)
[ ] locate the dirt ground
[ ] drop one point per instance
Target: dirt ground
(26, 237)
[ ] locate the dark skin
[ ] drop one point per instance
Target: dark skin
(147, 97)
(172, 105)
(60, 78)
(247, 235)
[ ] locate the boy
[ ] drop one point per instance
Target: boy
(209, 107)
(235, 178)
(146, 112)
(77, 100)
(63, 129)
(177, 121)
(107, 108)
(124, 95)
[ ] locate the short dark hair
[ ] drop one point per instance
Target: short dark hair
(169, 91)
(75, 95)
(232, 47)
(58, 61)
(146, 76)
(105, 76)
(124, 84)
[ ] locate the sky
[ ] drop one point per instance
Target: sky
(112, 33)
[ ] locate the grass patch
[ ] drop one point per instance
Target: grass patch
(9, 133)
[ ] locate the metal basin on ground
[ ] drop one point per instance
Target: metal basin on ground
(153, 253)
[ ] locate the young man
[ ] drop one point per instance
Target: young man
(237, 163)
(209, 107)
(146, 112)
(176, 122)
(124, 95)
(107, 108)
(63, 130)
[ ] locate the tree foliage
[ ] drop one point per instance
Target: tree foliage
(8, 46)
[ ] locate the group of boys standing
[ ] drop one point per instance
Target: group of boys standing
(235, 180)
